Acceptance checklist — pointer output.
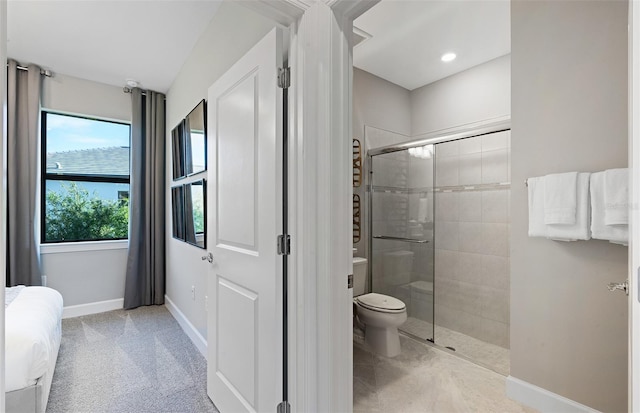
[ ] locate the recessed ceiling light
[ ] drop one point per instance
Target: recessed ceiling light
(132, 83)
(447, 57)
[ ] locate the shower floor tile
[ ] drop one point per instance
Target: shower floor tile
(488, 355)
(424, 378)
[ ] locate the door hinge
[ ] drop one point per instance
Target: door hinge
(284, 78)
(284, 244)
(283, 407)
(350, 281)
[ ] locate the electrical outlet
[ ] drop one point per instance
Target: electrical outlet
(193, 292)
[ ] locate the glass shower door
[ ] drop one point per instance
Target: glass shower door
(402, 247)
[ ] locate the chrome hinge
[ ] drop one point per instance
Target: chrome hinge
(284, 244)
(350, 281)
(284, 78)
(283, 407)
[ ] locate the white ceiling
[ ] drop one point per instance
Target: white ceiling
(108, 41)
(409, 37)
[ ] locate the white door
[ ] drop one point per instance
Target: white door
(634, 163)
(244, 371)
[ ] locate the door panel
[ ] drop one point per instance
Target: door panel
(237, 311)
(237, 160)
(244, 326)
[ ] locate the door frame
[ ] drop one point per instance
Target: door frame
(320, 368)
(3, 183)
(320, 198)
(634, 185)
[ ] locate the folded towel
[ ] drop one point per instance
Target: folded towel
(537, 227)
(560, 198)
(616, 196)
(535, 187)
(580, 229)
(618, 234)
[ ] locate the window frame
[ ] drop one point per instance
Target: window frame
(44, 176)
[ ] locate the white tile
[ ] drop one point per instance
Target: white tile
(495, 272)
(447, 149)
(494, 332)
(470, 268)
(495, 205)
(447, 264)
(471, 237)
(447, 171)
(446, 234)
(470, 206)
(495, 168)
(470, 145)
(495, 304)
(447, 206)
(493, 141)
(494, 239)
(470, 169)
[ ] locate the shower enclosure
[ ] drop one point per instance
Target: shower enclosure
(438, 239)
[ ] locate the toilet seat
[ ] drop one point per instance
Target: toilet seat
(381, 303)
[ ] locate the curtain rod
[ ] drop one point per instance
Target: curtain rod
(127, 89)
(47, 73)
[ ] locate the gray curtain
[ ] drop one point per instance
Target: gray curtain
(145, 280)
(23, 167)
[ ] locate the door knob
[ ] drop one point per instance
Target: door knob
(208, 257)
(624, 286)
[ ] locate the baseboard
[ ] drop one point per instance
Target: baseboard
(191, 331)
(92, 308)
(541, 399)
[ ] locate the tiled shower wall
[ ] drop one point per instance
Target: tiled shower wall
(472, 237)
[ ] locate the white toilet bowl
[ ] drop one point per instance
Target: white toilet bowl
(381, 316)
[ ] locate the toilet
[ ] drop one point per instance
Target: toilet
(380, 315)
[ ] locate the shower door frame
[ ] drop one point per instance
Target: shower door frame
(467, 131)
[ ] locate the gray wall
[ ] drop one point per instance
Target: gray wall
(383, 105)
(480, 93)
(85, 276)
(569, 113)
(233, 30)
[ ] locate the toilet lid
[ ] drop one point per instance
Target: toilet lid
(380, 302)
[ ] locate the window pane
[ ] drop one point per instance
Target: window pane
(85, 211)
(80, 146)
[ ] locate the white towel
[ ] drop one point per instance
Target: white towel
(560, 191)
(580, 229)
(616, 196)
(423, 209)
(537, 227)
(618, 234)
(535, 187)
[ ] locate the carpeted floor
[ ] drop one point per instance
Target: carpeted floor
(128, 361)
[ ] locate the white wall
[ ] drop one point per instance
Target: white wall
(85, 276)
(232, 31)
(569, 113)
(480, 93)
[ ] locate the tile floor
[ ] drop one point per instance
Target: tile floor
(488, 355)
(425, 379)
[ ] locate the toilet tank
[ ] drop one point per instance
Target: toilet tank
(359, 276)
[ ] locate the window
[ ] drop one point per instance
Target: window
(85, 185)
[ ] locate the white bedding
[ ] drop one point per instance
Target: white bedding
(32, 332)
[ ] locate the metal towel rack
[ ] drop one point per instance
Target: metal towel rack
(417, 241)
